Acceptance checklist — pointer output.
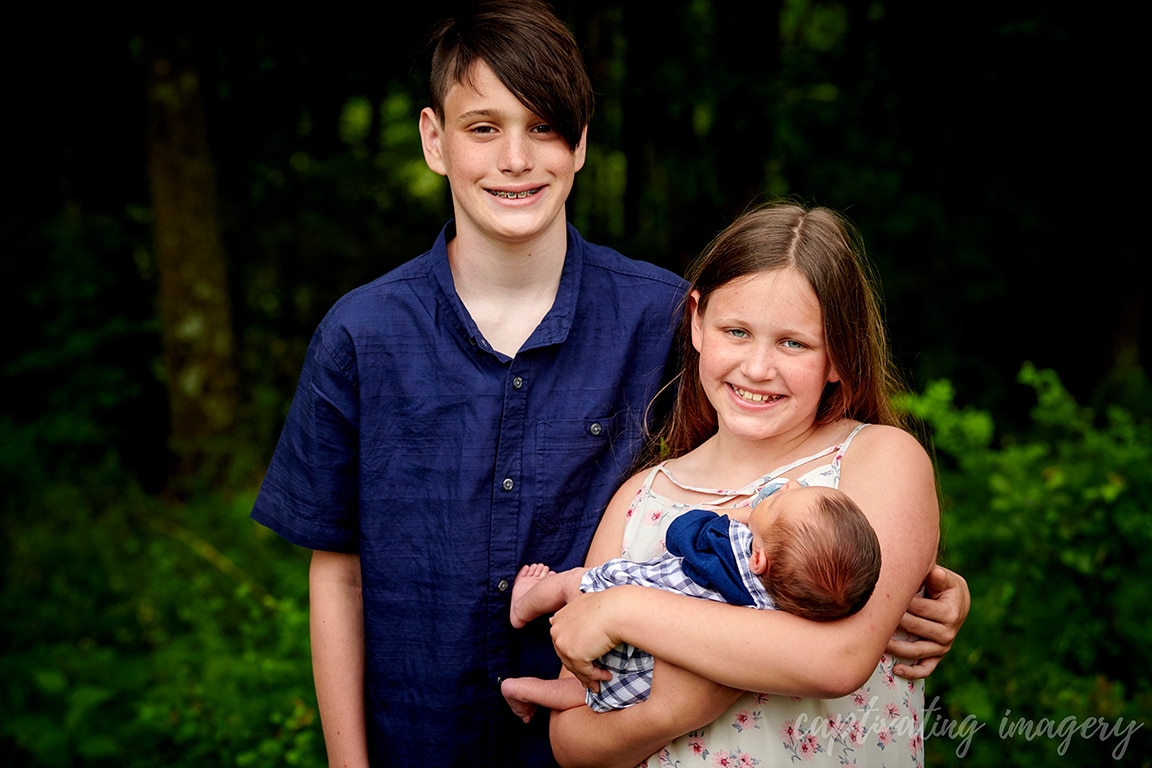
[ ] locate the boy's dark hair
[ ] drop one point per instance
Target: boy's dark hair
(527, 47)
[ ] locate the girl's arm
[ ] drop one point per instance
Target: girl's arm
(890, 476)
(680, 701)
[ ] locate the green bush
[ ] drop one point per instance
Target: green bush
(142, 632)
(1053, 532)
(152, 635)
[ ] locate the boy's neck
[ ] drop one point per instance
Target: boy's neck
(507, 289)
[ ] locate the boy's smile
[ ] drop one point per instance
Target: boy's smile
(509, 171)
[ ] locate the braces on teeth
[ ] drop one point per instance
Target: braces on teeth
(525, 193)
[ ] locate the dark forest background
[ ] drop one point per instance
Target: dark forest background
(185, 201)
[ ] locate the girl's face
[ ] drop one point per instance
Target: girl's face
(763, 359)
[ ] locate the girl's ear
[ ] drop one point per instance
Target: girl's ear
(833, 376)
(697, 323)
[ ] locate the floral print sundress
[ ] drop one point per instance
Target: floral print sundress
(878, 725)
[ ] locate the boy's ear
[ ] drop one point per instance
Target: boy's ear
(431, 134)
(580, 153)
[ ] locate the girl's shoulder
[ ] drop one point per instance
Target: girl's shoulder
(876, 435)
(879, 445)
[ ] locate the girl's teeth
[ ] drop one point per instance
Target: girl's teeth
(754, 397)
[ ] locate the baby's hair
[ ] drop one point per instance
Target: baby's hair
(528, 48)
(823, 566)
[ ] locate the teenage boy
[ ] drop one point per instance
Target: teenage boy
(470, 411)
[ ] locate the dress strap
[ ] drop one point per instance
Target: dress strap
(726, 495)
(838, 449)
(652, 475)
(723, 495)
(843, 447)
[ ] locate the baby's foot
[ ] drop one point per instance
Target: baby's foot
(522, 708)
(528, 577)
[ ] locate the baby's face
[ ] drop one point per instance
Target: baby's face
(791, 499)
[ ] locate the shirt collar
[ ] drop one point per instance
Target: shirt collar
(555, 326)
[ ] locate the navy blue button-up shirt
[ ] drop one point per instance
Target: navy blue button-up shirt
(447, 465)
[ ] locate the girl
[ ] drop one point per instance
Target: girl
(787, 368)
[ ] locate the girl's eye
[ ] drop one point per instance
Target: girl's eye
(793, 344)
(738, 333)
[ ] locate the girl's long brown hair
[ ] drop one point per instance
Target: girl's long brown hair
(825, 247)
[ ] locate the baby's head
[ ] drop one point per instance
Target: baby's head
(815, 551)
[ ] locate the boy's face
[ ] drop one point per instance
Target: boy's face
(510, 173)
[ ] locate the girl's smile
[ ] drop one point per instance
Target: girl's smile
(763, 359)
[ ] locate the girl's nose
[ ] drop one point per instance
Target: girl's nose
(760, 364)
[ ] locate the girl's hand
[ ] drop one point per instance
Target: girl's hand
(581, 634)
(935, 619)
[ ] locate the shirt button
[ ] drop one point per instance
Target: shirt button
(517, 383)
(596, 429)
(508, 484)
(503, 585)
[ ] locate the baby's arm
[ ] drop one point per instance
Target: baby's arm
(539, 590)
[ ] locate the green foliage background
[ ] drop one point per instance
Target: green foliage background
(969, 144)
(1051, 528)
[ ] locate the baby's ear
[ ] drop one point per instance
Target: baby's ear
(758, 562)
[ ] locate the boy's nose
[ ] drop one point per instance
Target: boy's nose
(516, 157)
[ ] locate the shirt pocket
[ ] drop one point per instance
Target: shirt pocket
(580, 464)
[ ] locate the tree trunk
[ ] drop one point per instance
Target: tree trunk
(194, 305)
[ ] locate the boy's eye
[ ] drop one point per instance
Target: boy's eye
(542, 129)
